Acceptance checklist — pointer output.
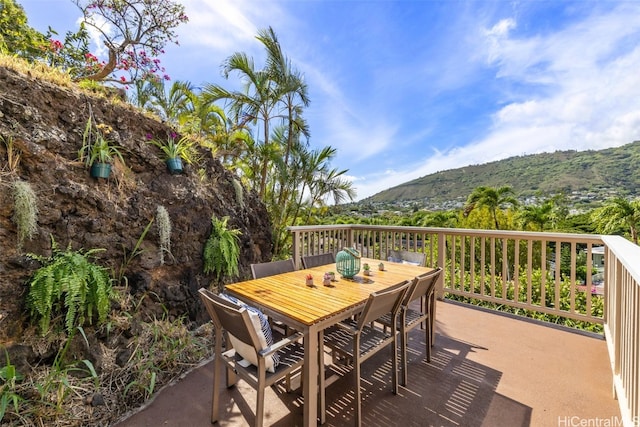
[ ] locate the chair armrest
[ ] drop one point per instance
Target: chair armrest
(280, 344)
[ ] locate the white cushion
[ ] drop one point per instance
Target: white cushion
(404, 261)
(263, 331)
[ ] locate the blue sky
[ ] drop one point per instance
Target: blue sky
(407, 88)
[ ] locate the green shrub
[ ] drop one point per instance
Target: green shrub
(70, 286)
(221, 251)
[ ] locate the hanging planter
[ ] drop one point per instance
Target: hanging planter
(100, 170)
(174, 165)
(97, 151)
(175, 152)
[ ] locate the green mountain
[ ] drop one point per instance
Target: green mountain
(594, 173)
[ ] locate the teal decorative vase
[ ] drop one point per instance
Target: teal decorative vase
(100, 170)
(174, 165)
(348, 262)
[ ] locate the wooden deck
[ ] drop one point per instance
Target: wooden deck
(487, 369)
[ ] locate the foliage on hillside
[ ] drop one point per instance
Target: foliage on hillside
(604, 172)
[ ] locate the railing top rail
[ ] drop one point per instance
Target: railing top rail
(627, 252)
(533, 235)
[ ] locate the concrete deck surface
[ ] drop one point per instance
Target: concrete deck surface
(487, 369)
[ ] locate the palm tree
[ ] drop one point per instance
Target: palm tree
(616, 214)
(538, 215)
(445, 219)
(490, 198)
(255, 104)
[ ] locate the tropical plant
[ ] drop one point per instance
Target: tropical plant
(222, 250)
(129, 255)
(13, 155)
(96, 147)
(163, 222)
(491, 198)
(68, 285)
(616, 214)
(25, 211)
(8, 394)
(183, 148)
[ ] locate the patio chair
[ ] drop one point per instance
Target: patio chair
(272, 268)
(422, 288)
(240, 326)
(311, 261)
(357, 340)
(407, 257)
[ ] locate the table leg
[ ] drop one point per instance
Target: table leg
(321, 381)
(310, 377)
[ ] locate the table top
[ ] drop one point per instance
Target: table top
(288, 295)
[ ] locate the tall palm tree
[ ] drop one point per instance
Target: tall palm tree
(256, 103)
(538, 215)
(490, 198)
(616, 214)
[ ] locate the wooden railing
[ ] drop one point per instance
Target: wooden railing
(548, 273)
(622, 323)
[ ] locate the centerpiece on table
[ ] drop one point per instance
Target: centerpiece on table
(348, 262)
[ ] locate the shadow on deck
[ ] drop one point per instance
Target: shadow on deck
(487, 369)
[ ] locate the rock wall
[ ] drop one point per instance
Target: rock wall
(46, 123)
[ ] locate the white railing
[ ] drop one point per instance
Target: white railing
(482, 265)
(622, 323)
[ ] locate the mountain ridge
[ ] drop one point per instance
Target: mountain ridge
(606, 172)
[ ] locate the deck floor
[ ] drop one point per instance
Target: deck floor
(487, 369)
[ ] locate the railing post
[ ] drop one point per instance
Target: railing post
(295, 247)
(350, 241)
(442, 249)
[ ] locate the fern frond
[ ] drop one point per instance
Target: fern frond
(69, 284)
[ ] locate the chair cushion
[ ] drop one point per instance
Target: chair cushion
(404, 261)
(393, 259)
(263, 330)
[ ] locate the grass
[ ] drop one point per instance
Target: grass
(71, 393)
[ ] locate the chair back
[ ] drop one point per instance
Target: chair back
(418, 258)
(230, 317)
(311, 261)
(422, 285)
(383, 302)
(272, 268)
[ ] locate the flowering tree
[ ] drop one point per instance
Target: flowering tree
(135, 33)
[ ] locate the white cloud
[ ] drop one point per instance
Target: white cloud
(228, 25)
(578, 88)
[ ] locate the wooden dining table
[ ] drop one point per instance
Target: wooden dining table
(310, 309)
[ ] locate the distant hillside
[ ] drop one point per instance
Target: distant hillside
(603, 172)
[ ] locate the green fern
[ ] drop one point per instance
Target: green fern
(68, 284)
(222, 250)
